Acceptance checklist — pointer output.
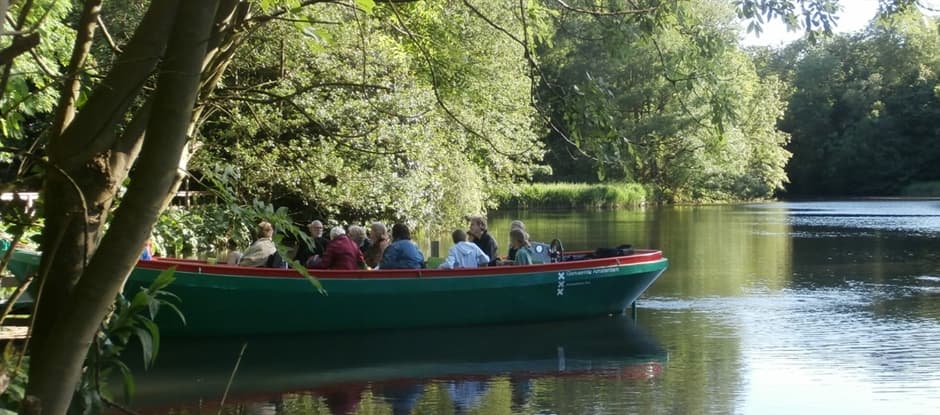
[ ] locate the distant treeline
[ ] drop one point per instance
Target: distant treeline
(850, 115)
(863, 111)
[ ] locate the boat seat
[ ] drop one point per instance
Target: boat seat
(540, 253)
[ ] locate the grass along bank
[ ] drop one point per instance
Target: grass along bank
(922, 189)
(575, 196)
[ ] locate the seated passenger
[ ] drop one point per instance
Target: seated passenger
(520, 240)
(464, 254)
(483, 239)
(257, 254)
(147, 253)
(341, 252)
(234, 255)
(516, 224)
(317, 243)
(378, 238)
(402, 253)
(358, 235)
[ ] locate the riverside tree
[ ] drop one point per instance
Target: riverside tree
(418, 112)
(674, 105)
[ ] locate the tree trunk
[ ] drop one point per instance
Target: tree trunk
(55, 371)
(78, 194)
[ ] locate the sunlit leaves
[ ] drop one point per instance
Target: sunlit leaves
(31, 90)
(355, 130)
(365, 5)
(812, 16)
(669, 107)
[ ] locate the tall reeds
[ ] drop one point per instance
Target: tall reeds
(576, 196)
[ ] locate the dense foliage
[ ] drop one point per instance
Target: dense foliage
(419, 112)
(864, 113)
(682, 111)
(29, 85)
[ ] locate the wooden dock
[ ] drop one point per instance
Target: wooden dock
(13, 332)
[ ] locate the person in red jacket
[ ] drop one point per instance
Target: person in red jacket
(341, 252)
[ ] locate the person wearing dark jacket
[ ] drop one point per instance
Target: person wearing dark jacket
(317, 245)
(483, 239)
(341, 253)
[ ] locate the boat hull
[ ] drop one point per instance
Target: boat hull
(227, 300)
(246, 304)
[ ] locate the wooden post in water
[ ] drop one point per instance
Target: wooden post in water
(435, 249)
(633, 310)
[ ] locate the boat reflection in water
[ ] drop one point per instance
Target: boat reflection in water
(401, 369)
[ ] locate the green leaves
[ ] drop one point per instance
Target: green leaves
(361, 127)
(132, 319)
(815, 17)
(29, 92)
(365, 5)
(665, 103)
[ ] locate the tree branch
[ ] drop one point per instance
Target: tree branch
(20, 21)
(71, 85)
(437, 94)
(91, 131)
(18, 47)
(107, 36)
(598, 12)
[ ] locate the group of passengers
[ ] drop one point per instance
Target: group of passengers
(353, 249)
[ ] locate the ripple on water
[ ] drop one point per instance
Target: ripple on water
(929, 278)
(804, 343)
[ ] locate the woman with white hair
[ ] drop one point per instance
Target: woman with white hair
(358, 235)
(341, 252)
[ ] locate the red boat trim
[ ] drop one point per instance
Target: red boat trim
(201, 267)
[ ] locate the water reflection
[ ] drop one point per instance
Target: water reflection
(453, 370)
(848, 324)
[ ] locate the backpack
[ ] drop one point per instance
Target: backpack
(275, 261)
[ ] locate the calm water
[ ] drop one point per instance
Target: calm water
(780, 308)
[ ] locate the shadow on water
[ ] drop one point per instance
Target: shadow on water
(394, 368)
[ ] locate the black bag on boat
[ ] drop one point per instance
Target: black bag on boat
(275, 261)
(625, 249)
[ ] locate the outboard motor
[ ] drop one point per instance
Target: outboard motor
(556, 250)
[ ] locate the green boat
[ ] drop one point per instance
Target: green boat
(226, 300)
